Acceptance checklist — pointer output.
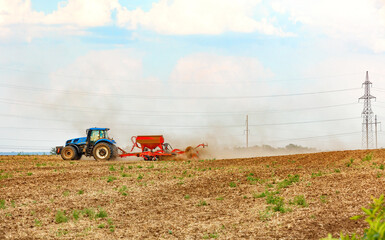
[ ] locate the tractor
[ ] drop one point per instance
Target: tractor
(97, 144)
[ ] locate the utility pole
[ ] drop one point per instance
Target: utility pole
(367, 115)
(247, 131)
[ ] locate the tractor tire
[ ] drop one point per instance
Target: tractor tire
(69, 153)
(102, 151)
(115, 152)
(78, 157)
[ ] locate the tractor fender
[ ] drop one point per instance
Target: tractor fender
(112, 142)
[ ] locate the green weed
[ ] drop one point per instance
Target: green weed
(259, 195)
(37, 223)
(350, 163)
(368, 157)
(88, 212)
(210, 235)
(287, 182)
(300, 201)
(101, 214)
(2, 204)
(279, 205)
(111, 178)
(76, 214)
(61, 217)
(66, 193)
(318, 174)
(111, 225)
(323, 198)
(112, 168)
(123, 190)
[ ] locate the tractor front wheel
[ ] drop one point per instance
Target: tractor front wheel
(102, 151)
(69, 153)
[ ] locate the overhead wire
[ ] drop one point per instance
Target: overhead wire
(123, 78)
(315, 137)
(197, 126)
(160, 113)
(51, 90)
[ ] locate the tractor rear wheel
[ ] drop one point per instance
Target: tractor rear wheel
(69, 153)
(114, 153)
(78, 157)
(102, 151)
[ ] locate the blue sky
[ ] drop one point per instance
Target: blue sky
(57, 53)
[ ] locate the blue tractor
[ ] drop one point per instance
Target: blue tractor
(97, 144)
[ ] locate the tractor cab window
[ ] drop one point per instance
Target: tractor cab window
(98, 134)
(103, 134)
(94, 136)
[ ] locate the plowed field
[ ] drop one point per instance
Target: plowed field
(44, 197)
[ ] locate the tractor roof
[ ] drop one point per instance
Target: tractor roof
(95, 128)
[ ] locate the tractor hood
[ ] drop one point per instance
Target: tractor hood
(77, 141)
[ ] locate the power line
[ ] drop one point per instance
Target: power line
(159, 113)
(307, 138)
(306, 122)
(48, 90)
(188, 127)
(123, 78)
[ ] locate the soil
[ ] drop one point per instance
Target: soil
(188, 199)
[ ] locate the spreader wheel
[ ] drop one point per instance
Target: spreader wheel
(150, 158)
(69, 153)
(102, 151)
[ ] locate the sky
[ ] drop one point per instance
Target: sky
(190, 70)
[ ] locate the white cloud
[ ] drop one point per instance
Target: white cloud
(83, 13)
(183, 17)
(179, 17)
(19, 21)
(360, 21)
(18, 12)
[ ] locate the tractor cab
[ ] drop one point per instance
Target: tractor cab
(94, 134)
